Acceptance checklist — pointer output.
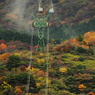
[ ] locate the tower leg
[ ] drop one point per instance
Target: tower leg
(41, 43)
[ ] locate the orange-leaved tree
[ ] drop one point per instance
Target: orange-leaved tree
(81, 87)
(91, 93)
(18, 90)
(89, 38)
(4, 56)
(3, 46)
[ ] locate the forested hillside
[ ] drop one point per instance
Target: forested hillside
(64, 66)
(71, 67)
(71, 17)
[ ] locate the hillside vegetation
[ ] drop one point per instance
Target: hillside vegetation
(71, 17)
(71, 67)
(67, 64)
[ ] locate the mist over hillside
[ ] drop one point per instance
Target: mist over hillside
(71, 17)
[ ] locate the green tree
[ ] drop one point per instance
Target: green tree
(20, 79)
(80, 38)
(13, 62)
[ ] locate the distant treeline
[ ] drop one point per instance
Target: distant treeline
(66, 31)
(12, 35)
(82, 28)
(60, 33)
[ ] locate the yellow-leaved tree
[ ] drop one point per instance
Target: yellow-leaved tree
(62, 1)
(62, 70)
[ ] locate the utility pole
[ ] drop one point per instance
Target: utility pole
(41, 23)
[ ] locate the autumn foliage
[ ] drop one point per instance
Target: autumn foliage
(41, 73)
(81, 87)
(63, 70)
(89, 38)
(4, 56)
(85, 41)
(91, 93)
(68, 70)
(3, 46)
(40, 60)
(18, 90)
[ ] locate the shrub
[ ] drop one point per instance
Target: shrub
(20, 79)
(81, 50)
(81, 58)
(80, 38)
(17, 90)
(93, 83)
(67, 48)
(71, 84)
(2, 68)
(41, 61)
(81, 67)
(6, 89)
(4, 56)
(52, 73)
(22, 68)
(81, 87)
(70, 80)
(76, 69)
(59, 49)
(57, 64)
(63, 70)
(40, 66)
(90, 51)
(13, 62)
